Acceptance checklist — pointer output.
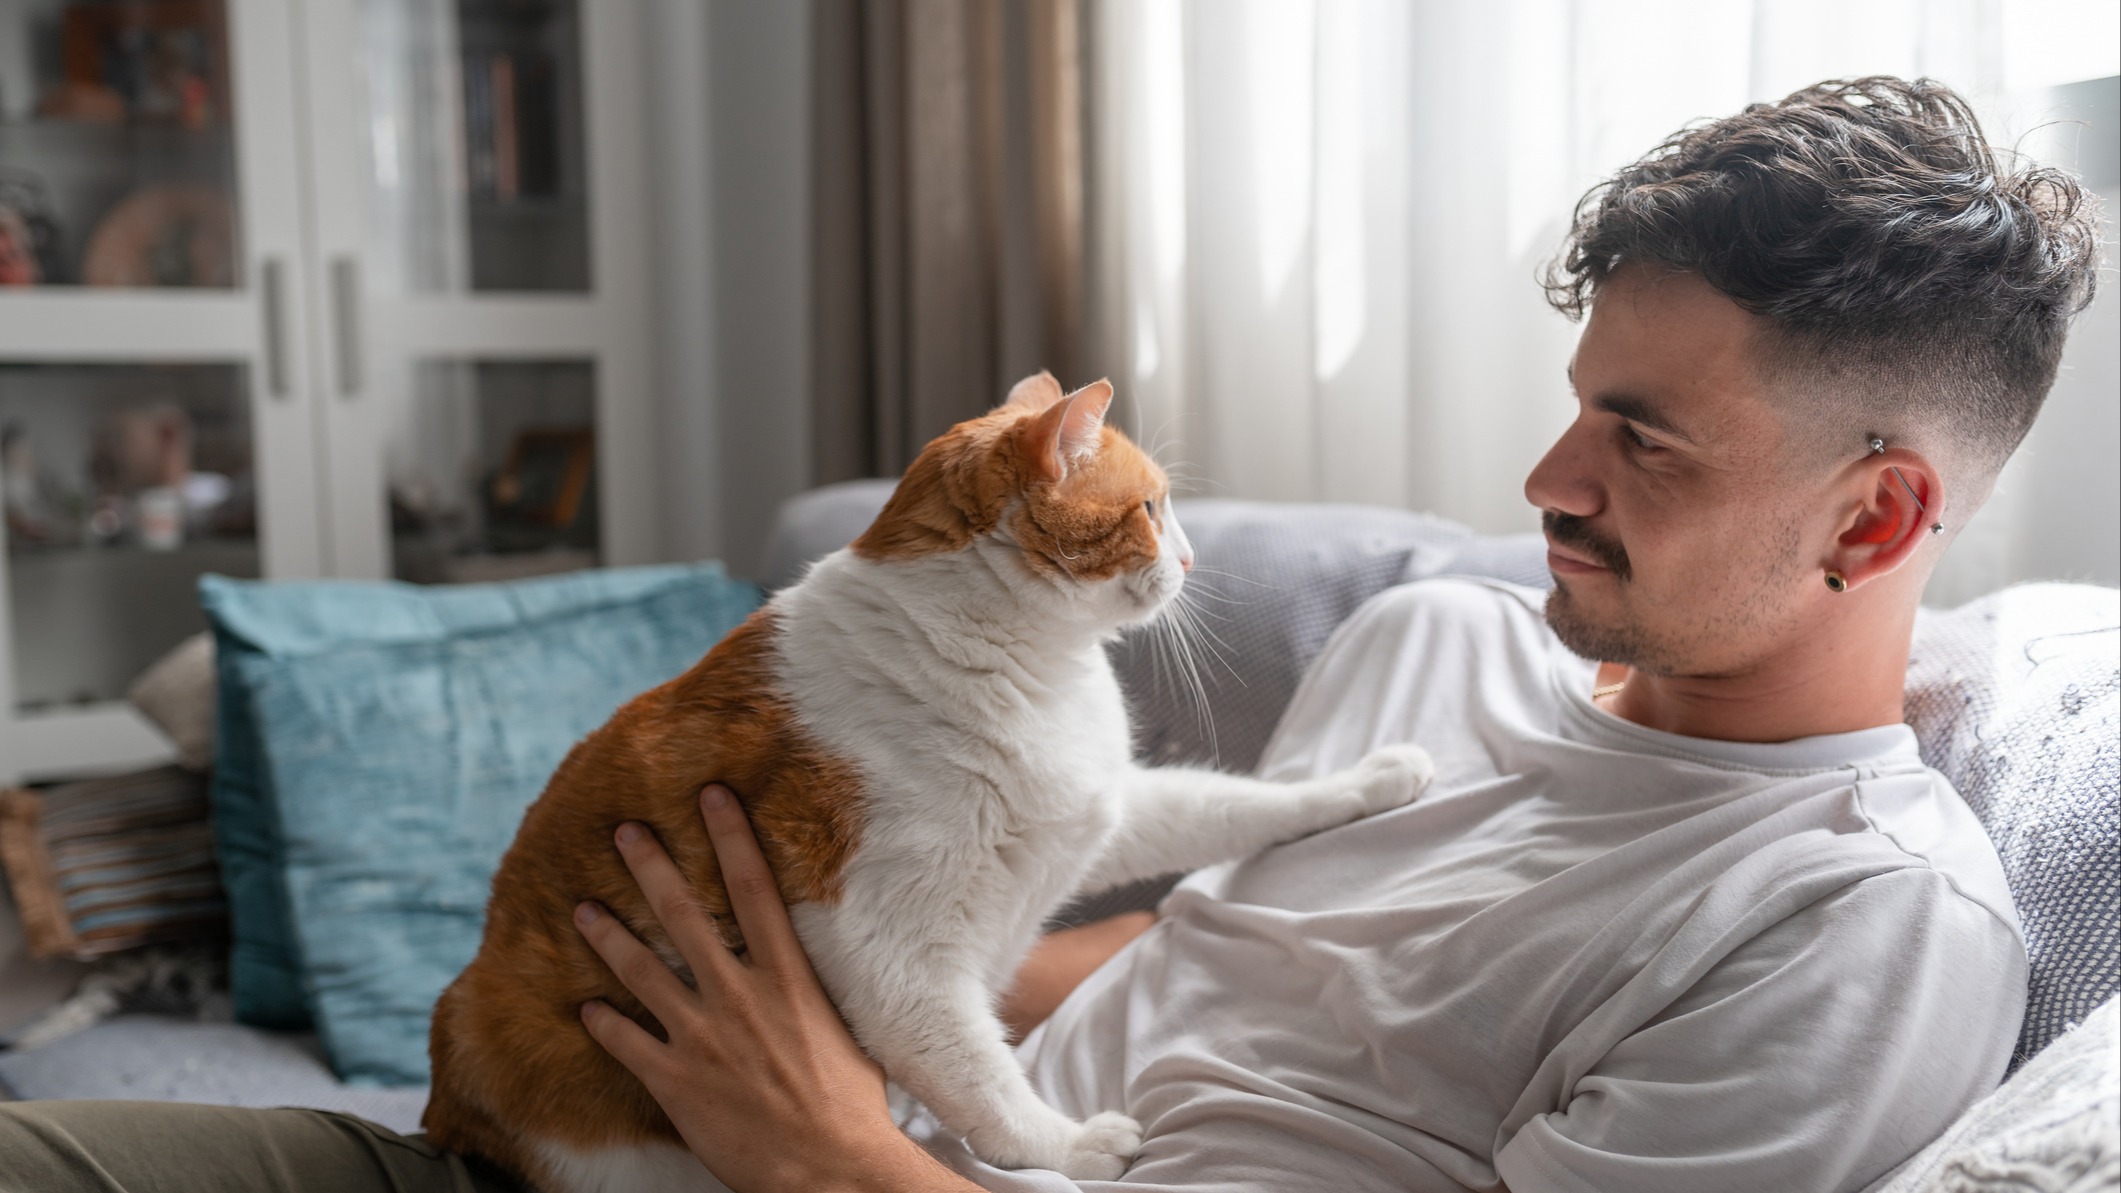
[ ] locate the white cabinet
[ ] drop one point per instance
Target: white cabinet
(299, 288)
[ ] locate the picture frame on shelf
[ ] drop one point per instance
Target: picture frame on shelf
(545, 477)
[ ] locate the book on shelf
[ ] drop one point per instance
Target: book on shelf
(511, 126)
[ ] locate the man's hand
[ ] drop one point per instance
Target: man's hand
(760, 1076)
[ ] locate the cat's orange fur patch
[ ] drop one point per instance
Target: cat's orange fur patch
(518, 1003)
(1090, 524)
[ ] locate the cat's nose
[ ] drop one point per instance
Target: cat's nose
(1185, 561)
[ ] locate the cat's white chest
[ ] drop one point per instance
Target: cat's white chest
(980, 720)
(991, 775)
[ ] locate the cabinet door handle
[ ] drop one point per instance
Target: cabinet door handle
(346, 322)
(272, 285)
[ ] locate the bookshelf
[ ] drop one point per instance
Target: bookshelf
(304, 288)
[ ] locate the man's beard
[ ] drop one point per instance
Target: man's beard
(1596, 640)
(1724, 607)
(1577, 631)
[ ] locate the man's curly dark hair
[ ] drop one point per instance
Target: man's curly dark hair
(1912, 282)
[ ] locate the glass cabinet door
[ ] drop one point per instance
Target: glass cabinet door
(154, 420)
(491, 471)
(117, 145)
(484, 284)
(477, 173)
(124, 484)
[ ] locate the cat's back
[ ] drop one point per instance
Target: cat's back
(514, 1008)
(726, 720)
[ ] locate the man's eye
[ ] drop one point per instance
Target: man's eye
(1638, 440)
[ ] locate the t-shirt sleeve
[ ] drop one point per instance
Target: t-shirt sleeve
(1814, 1056)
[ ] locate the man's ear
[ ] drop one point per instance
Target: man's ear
(1067, 433)
(1901, 495)
(1034, 393)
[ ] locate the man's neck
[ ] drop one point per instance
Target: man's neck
(1849, 673)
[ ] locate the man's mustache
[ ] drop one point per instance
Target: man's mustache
(1571, 531)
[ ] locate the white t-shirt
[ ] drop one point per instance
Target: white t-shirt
(1594, 956)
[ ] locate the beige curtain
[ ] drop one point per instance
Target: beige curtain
(947, 224)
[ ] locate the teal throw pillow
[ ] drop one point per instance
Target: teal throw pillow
(665, 617)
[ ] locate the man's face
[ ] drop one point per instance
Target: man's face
(1678, 533)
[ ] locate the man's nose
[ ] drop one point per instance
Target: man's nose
(1564, 479)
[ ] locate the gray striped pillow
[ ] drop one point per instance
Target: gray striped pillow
(110, 864)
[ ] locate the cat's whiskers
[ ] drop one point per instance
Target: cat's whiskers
(1208, 639)
(1211, 640)
(1180, 474)
(1185, 675)
(1156, 441)
(1179, 639)
(1228, 575)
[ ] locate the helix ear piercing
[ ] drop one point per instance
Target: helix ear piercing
(1835, 581)
(1878, 449)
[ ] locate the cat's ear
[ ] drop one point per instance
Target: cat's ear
(1067, 433)
(1034, 393)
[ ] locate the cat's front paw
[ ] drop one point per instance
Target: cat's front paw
(1102, 1148)
(1391, 776)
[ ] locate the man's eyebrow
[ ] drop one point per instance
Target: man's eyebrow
(1632, 408)
(1639, 410)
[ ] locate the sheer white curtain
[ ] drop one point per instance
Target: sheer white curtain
(1318, 221)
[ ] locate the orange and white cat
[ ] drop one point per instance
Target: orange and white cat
(934, 753)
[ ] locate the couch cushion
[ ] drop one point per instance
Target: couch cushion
(814, 524)
(263, 629)
(2016, 698)
(162, 1058)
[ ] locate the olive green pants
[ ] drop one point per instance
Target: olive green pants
(178, 1147)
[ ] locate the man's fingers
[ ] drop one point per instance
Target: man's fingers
(753, 896)
(637, 968)
(670, 898)
(625, 1040)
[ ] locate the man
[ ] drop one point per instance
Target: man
(1693, 916)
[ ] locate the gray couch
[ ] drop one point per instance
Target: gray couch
(2014, 697)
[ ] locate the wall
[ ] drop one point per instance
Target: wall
(2056, 512)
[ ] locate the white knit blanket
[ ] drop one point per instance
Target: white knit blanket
(2054, 1127)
